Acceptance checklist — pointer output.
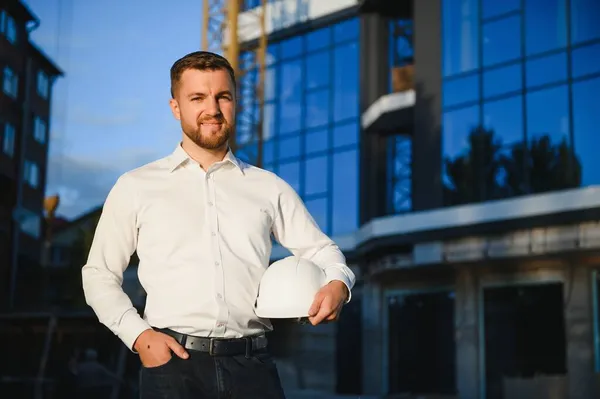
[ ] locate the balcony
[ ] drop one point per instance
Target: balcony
(393, 112)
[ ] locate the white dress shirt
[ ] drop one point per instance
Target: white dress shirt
(203, 240)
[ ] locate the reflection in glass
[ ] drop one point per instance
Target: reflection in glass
(586, 60)
(460, 36)
(291, 47)
(316, 175)
(346, 82)
(546, 70)
(548, 114)
(346, 134)
(316, 141)
(289, 147)
(318, 70)
(317, 108)
(290, 97)
(586, 123)
(505, 118)
(290, 172)
(318, 210)
(345, 192)
(493, 8)
(584, 20)
(500, 40)
(318, 39)
(461, 90)
(502, 80)
(346, 30)
(545, 25)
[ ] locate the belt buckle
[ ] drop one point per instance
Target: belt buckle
(211, 347)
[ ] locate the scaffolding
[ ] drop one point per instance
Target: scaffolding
(220, 34)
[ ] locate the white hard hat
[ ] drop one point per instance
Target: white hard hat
(288, 288)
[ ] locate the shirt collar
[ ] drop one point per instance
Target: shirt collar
(180, 157)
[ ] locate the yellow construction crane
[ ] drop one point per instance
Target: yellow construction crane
(220, 35)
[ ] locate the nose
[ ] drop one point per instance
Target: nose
(212, 107)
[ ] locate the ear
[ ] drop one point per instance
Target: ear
(175, 108)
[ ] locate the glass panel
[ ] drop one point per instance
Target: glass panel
(272, 53)
(460, 34)
(505, 119)
(346, 134)
(289, 147)
(461, 90)
(498, 46)
(270, 83)
(491, 8)
(584, 20)
(346, 82)
(269, 121)
(268, 152)
(546, 25)
(316, 141)
(318, 210)
(586, 60)
(317, 108)
(318, 39)
(316, 175)
(586, 120)
(549, 69)
(345, 192)
(502, 80)
(318, 69)
(290, 172)
(291, 47)
(548, 115)
(290, 110)
(457, 172)
(346, 30)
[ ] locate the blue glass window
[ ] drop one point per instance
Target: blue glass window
(461, 90)
(345, 192)
(586, 120)
(460, 33)
(270, 83)
(546, 25)
(316, 141)
(346, 134)
(318, 208)
(346, 71)
(318, 39)
(317, 108)
(505, 119)
(290, 172)
(546, 70)
(346, 30)
(289, 147)
(292, 47)
(548, 114)
(502, 80)
(290, 100)
(316, 175)
(457, 125)
(269, 127)
(584, 20)
(586, 60)
(501, 40)
(492, 8)
(268, 152)
(318, 69)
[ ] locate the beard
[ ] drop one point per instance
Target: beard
(211, 140)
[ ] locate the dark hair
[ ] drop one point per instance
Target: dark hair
(202, 61)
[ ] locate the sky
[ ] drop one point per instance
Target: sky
(110, 111)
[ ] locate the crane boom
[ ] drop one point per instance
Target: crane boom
(220, 35)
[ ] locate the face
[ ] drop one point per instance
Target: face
(205, 104)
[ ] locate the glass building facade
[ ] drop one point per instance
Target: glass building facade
(311, 121)
(520, 81)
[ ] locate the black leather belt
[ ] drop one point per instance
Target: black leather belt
(219, 346)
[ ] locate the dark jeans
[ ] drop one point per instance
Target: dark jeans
(202, 376)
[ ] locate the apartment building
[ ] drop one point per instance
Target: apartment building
(25, 100)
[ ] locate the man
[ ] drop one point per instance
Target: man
(200, 221)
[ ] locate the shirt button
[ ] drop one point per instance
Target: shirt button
(216, 263)
(219, 296)
(213, 234)
(210, 203)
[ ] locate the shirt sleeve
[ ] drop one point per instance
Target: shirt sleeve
(114, 242)
(295, 229)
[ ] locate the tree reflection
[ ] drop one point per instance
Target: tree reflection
(488, 170)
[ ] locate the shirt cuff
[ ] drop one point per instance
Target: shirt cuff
(333, 273)
(132, 325)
